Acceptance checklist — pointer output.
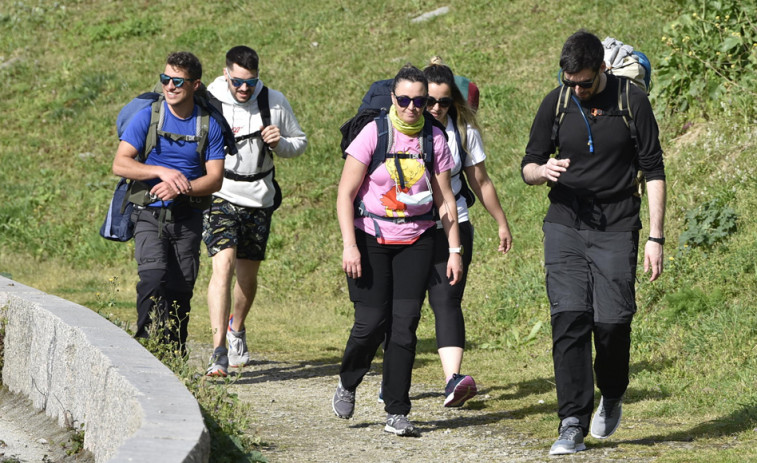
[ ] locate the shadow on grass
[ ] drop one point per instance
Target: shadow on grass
(225, 448)
(743, 419)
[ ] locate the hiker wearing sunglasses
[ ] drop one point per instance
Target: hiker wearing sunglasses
(447, 104)
(167, 231)
(237, 225)
(387, 226)
(591, 232)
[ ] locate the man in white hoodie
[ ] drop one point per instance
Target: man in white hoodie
(236, 227)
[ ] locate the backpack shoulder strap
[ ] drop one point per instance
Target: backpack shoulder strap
(563, 100)
(427, 144)
(157, 115)
(202, 131)
(383, 142)
(624, 106)
(264, 107)
(265, 114)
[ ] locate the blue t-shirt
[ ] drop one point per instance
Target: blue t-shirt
(180, 155)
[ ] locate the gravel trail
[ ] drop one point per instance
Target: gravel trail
(292, 413)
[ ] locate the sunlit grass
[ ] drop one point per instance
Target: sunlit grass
(693, 367)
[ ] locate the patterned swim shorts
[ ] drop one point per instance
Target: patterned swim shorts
(225, 225)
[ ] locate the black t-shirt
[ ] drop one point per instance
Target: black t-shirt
(596, 191)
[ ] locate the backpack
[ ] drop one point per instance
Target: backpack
(623, 61)
(379, 96)
(469, 90)
(118, 225)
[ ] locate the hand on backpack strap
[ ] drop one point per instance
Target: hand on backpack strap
(270, 135)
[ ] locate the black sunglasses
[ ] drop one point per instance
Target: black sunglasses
(418, 101)
(445, 102)
(582, 84)
(177, 81)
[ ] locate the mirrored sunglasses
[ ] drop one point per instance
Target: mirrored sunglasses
(177, 81)
(236, 82)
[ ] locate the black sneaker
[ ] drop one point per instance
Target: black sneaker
(343, 402)
(571, 438)
(401, 426)
(607, 418)
(459, 389)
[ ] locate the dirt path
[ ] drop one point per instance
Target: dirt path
(292, 412)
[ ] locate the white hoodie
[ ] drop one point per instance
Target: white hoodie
(244, 118)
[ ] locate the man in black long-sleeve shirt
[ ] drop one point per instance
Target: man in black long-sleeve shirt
(591, 231)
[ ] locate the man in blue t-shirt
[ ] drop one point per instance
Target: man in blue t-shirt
(168, 231)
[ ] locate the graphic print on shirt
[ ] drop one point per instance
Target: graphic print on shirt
(412, 173)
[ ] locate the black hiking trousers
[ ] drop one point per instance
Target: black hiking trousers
(590, 278)
(387, 300)
(167, 266)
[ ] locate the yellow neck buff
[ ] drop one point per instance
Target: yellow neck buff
(402, 126)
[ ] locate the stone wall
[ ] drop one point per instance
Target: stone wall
(80, 368)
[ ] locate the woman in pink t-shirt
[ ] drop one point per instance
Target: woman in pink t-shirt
(388, 246)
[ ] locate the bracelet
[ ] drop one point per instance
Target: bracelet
(660, 241)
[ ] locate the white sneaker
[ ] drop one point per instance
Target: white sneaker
(239, 356)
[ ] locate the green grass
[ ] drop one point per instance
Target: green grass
(69, 66)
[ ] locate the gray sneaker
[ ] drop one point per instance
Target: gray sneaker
(400, 425)
(571, 438)
(239, 356)
(607, 417)
(219, 363)
(343, 402)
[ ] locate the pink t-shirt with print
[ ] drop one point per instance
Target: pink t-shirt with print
(379, 189)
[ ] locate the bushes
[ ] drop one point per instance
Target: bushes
(712, 57)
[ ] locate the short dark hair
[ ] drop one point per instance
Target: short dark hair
(186, 61)
(411, 73)
(242, 56)
(582, 50)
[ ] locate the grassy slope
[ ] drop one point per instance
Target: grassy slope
(69, 68)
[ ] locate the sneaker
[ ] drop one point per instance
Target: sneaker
(343, 402)
(607, 418)
(381, 394)
(239, 356)
(219, 363)
(571, 438)
(459, 389)
(400, 425)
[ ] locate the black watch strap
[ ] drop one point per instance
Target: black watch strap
(657, 240)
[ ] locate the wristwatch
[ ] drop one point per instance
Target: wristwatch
(456, 250)
(657, 240)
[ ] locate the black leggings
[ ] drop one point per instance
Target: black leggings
(387, 300)
(446, 300)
